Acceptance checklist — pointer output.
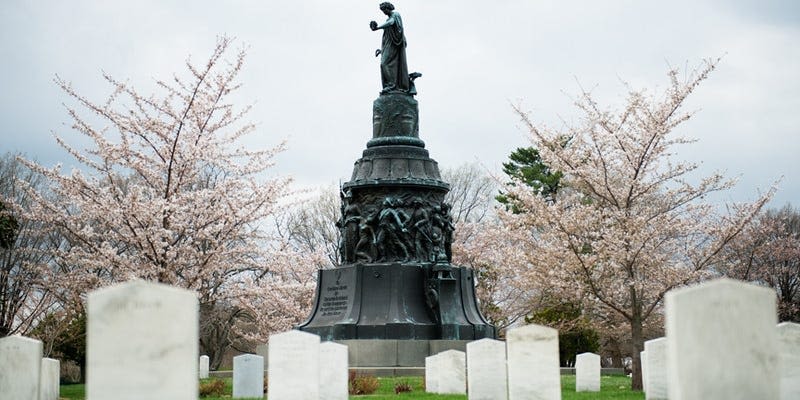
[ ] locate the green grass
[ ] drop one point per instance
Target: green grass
(73, 391)
(611, 388)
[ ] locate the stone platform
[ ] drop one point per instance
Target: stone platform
(388, 354)
(396, 353)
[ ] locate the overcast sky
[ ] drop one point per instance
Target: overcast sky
(312, 76)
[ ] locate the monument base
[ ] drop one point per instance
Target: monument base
(386, 354)
(397, 302)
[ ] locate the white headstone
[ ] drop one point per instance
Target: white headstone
(332, 371)
(486, 370)
(452, 372)
(722, 342)
(50, 381)
(432, 374)
(533, 368)
(587, 372)
(20, 368)
(203, 372)
(248, 376)
(293, 356)
(656, 366)
(643, 361)
(789, 356)
(142, 341)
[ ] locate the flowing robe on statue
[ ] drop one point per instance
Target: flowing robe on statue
(394, 69)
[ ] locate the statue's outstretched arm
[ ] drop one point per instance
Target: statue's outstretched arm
(389, 22)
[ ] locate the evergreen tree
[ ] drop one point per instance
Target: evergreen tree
(8, 227)
(526, 166)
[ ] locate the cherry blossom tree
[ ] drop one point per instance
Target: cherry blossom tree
(500, 266)
(281, 299)
(481, 243)
(768, 252)
(627, 225)
(308, 224)
(166, 191)
(25, 294)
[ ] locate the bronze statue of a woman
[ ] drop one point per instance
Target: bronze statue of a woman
(394, 69)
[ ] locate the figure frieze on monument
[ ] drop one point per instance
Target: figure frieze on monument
(389, 226)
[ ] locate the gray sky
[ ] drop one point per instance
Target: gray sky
(312, 75)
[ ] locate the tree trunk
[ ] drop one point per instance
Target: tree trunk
(637, 345)
(215, 359)
(617, 356)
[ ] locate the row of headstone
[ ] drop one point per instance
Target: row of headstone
(158, 358)
(300, 368)
(295, 355)
(723, 342)
(142, 343)
(24, 374)
(524, 367)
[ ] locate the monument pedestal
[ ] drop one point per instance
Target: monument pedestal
(396, 299)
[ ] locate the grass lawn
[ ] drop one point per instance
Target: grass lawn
(611, 388)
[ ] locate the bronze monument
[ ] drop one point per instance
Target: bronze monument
(395, 280)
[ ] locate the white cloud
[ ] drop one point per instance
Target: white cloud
(312, 75)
